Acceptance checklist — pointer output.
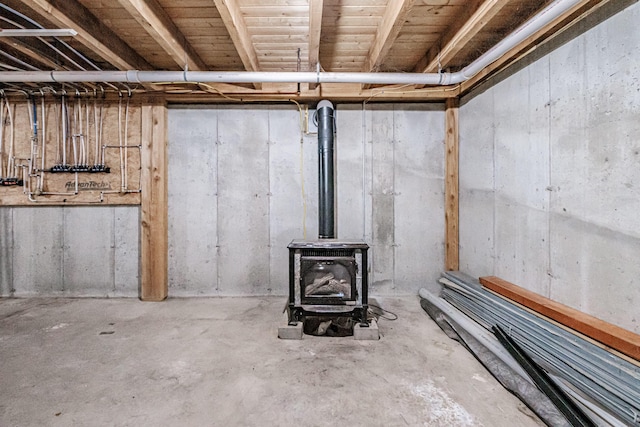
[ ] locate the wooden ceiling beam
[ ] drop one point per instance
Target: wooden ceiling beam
(392, 21)
(459, 34)
(92, 33)
(154, 19)
(337, 92)
(315, 28)
(237, 28)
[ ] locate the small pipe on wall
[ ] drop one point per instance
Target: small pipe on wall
(539, 21)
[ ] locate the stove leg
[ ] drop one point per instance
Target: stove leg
(360, 316)
(363, 320)
(295, 315)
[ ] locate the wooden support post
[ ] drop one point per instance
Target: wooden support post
(154, 237)
(452, 256)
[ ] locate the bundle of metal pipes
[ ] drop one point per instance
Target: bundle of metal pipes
(600, 379)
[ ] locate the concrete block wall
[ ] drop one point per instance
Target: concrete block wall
(243, 184)
(69, 251)
(550, 174)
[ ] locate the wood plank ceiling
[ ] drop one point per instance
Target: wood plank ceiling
(265, 35)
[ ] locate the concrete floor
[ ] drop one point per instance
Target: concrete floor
(218, 362)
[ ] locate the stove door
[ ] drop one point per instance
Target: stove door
(327, 280)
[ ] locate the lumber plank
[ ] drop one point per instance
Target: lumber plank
(154, 236)
(159, 25)
(286, 92)
(620, 339)
(452, 255)
(392, 21)
(568, 329)
(239, 33)
(315, 29)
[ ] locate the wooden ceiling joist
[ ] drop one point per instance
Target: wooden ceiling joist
(237, 28)
(459, 34)
(392, 21)
(92, 33)
(315, 27)
(154, 19)
(286, 92)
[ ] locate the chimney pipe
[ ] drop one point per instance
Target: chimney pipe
(326, 184)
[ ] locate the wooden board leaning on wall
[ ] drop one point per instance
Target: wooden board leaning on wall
(98, 164)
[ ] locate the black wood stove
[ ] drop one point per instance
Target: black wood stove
(327, 276)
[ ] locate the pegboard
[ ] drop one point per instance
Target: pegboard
(67, 150)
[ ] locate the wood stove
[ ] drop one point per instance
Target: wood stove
(328, 277)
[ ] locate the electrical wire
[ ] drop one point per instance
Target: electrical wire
(18, 61)
(64, 125)
(120, 143)
(58, 122)
(74, 135)
(126, 144)
(99, 124)
(32, 108)
(302, 190)
(87, 133)
(383, 314)
(96, 130)
(80, 131)
(40, 183)
(10, 159)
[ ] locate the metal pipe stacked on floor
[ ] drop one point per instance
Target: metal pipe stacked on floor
(601, 380)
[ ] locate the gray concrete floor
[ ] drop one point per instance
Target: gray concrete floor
(218, 362)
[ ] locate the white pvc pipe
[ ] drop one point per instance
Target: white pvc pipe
(11, 157)
(526, 30)
(539, 21)
(40, 183)
(1, 139)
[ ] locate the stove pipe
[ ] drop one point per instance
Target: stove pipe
(326, 214)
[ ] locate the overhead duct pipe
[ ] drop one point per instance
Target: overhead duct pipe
(326, 182)
(529, 28)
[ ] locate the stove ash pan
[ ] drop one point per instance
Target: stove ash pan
(327, 277)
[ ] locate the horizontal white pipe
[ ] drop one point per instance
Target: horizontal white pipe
(135, 76)
(546, 16)
(526, 30)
